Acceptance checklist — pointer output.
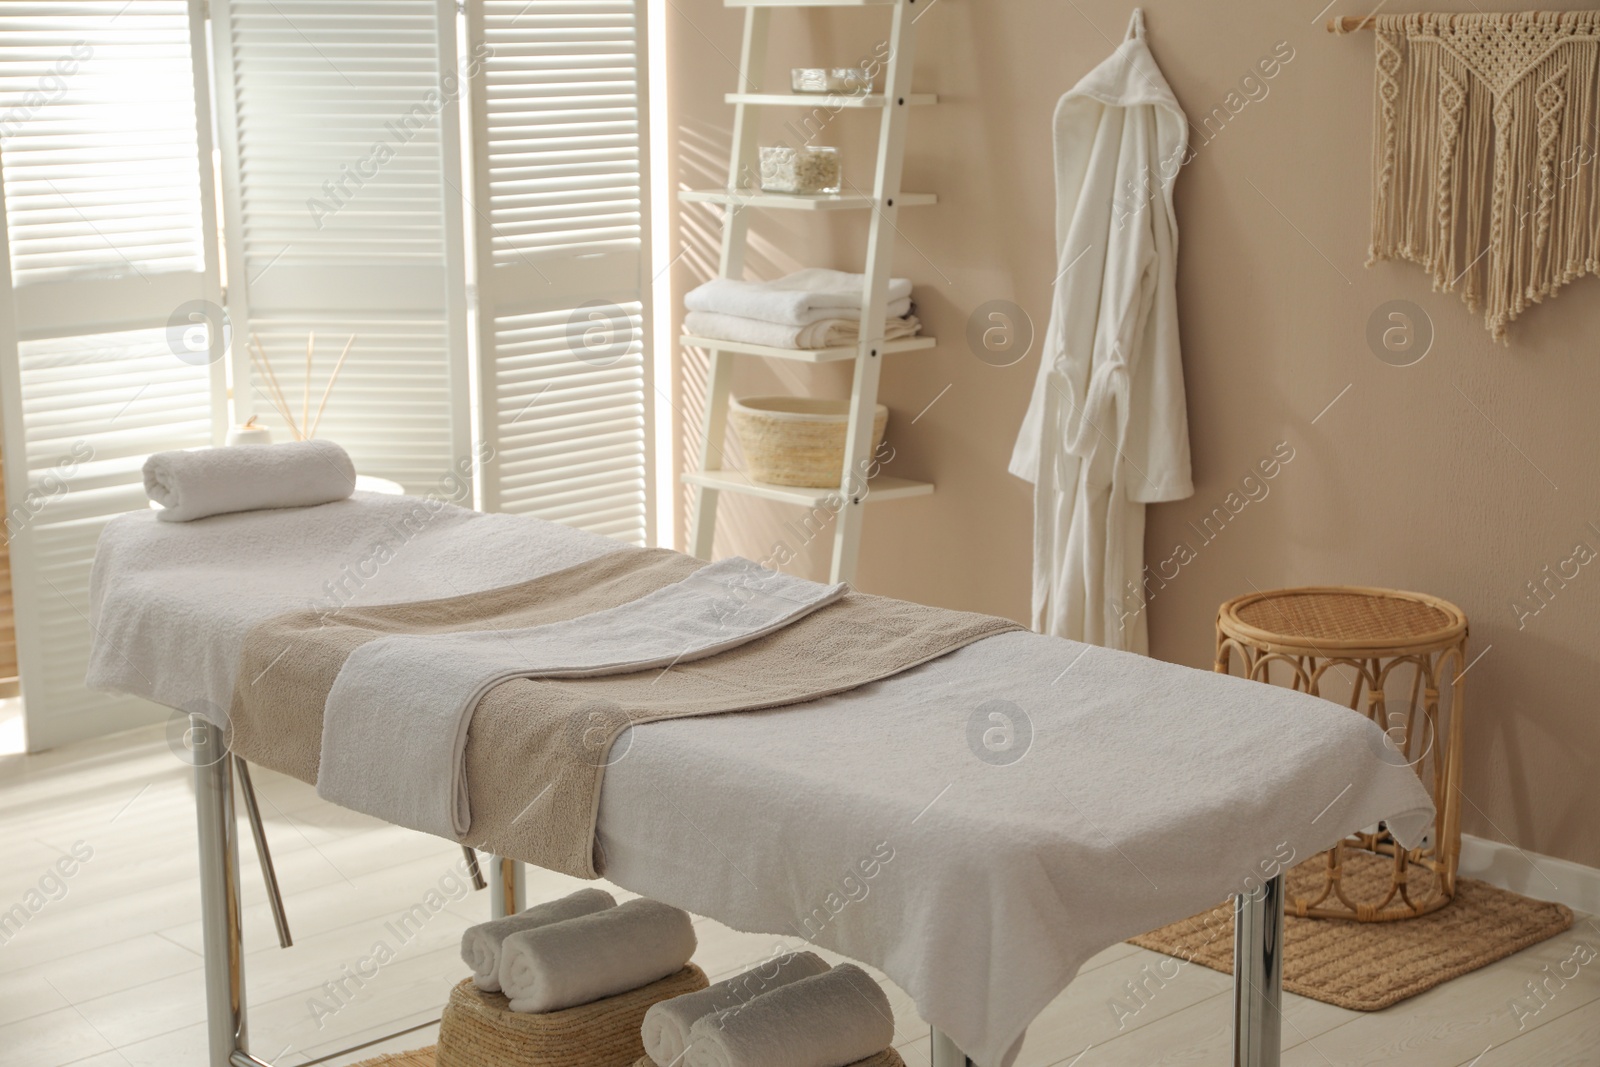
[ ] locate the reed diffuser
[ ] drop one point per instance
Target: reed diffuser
(305, 428)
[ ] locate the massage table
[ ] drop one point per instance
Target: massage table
(1021, 803)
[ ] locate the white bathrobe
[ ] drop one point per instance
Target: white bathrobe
(1106, 431)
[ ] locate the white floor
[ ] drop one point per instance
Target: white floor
(11, 740)
(107, 971)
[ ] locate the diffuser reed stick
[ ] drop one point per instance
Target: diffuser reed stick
(306, 427)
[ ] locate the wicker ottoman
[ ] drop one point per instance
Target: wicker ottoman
(479, 1030)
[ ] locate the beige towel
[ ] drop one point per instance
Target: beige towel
(592, 956)
(538, 749)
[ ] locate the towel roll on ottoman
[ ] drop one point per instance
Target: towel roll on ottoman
(480, 945)
(828, 1020)
(667, 1025)
(598, 955)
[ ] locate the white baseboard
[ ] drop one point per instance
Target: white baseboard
(1532, 875)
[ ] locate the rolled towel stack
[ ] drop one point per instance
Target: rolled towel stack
(216, 481)
(481, 944)
(582, 959)
(667, 1024)
(827, 1020)
(814, 308)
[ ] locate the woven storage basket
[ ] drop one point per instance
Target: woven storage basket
(887, 1058)
(796, 440)
(479, 1029)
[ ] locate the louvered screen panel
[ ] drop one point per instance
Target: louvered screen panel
(97, 123)
(558, 122)
(563, 124)
(569, 434)
(94, 407)
(341, 168)
(107, 192)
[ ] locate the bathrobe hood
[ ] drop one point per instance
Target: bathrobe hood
(1106, 427)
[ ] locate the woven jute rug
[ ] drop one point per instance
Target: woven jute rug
(423, 1057)
(1369, 966)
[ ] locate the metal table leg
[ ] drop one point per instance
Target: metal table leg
(946, 1054)
(1257, 984)
(269, 873)
(470, 854)
(507, 889)
(219, 893)
(1258, 976)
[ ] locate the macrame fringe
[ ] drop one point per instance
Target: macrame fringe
(1484, 162)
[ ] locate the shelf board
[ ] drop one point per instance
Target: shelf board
(834, 101)
(880, 488)
(803, 355)
(798, 202)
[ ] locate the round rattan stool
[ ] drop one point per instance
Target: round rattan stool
(1400, 658)
(479, 1029)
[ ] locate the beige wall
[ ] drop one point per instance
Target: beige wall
(1463, 475)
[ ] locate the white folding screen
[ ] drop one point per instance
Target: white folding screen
(559, 212)
(340, 136)
(340, 154)
(106, 354)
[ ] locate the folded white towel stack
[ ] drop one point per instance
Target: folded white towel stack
(796, 299)
(825, 333)
(828, 1020)
(592, 956)
(480, 945)
(215, 481)
(667, 1024)
(815, 308)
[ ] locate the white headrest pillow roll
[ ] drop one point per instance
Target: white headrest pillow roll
(215, 481)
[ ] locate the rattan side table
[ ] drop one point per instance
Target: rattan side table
(1393, 655)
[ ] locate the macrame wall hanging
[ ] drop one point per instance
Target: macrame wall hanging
(1484, 154)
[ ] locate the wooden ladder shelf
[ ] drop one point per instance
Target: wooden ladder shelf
(884, 201)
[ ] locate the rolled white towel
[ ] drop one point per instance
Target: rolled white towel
(666, 1025)
(579, 960)
(480, 945)
(214, 481)
(828, 1020)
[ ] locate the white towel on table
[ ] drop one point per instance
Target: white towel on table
(795, 299)
(480, 945)
(170, 603)
(216, 481)
(416, 777)
(825, 333)
(828, 1020)
(667, 1024)
(592, 956)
